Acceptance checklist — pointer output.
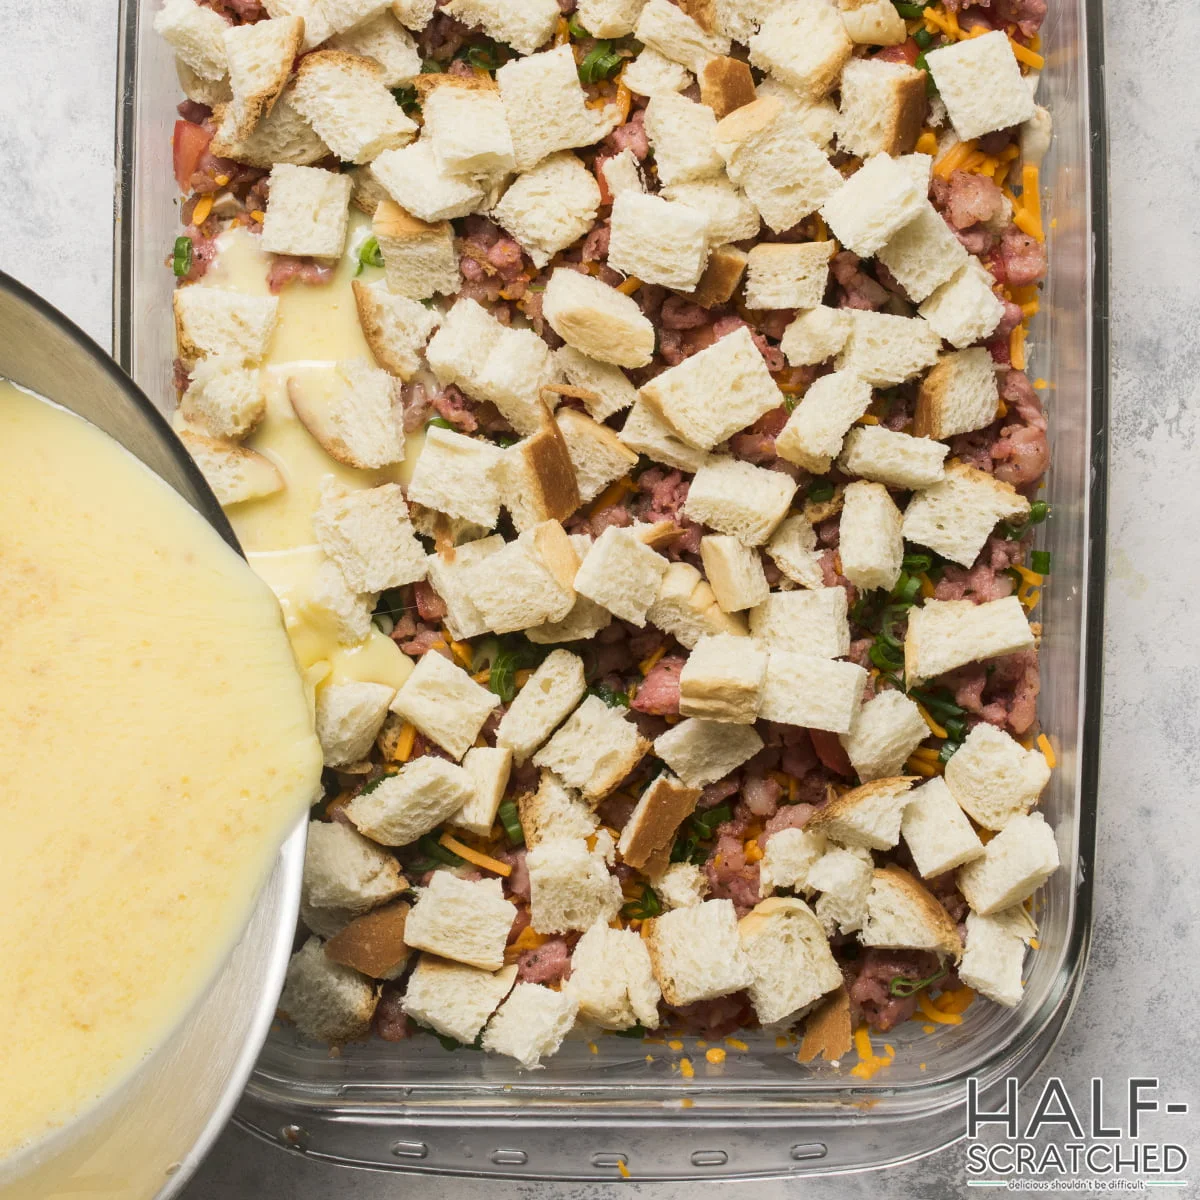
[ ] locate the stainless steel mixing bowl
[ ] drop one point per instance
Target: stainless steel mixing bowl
(148, 1136)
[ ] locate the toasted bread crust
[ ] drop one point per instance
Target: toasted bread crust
(549, 462)
(425, 84)
(391, 221)
(372, 327)
(848, 802)
(938, 919)
(931, 399)
(910, 105)
(827, 1031)
(667, 804)
(373, 943)
(726, 266)
(703, 12)
(651, 935)
(726, 84)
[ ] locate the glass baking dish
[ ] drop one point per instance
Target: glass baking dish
(624, 1106)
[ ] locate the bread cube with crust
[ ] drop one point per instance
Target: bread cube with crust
(548, 697)
(959, 395)
(740, 499)
(868, 815)
(735, 572)
(594, 749)
(695, 952)
(467, 921)
(903, 915)
(550, 206)
(369, 536)
(395, 327)
(936, 831)
(597, 320)
(398, 809)
(883, 107)
(453, 999)
(413, 178)
(344, 870)
(444, 703)
(385, 41)
(649, 833)
(804, 44)
(531, 1024)
(884, 732)
(994, 778)
(944, 634)
(671, 31)
(327, 1002)
(612, 979)
(815, 693)
(787, 274)
(816, 428)
(419, 260)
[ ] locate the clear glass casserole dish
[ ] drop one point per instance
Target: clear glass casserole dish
(626, 1106)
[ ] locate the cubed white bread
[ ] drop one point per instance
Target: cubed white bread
(469, 131)
(885, 731)
(804, 622)
(649, 833)
(398, 809)
(395, 327)
(259, 58)
(894, 458)
(980, 82)
(412, 177)
(731, 215)
(316, 24)
(349, 715)
(356, 419)
(419, 261)
(204, 91)
(622, 173)
(490, 361)
(959, 395)
(621, 573)
(597, 455)
(726, 84)
(995, 953)
(883, 349)
(467, 921)
(448, 572)
(413, 14)
(843, 879)
(726, 264)
(596, 319)
(527, 583)
(609, 18)
(923, 254)
(775, 161)
(873, 23)
(735, 572)
(453, 999)
(372, 944)
(612, 980)
(904, 915)
(696, 953)
(738, 19)
(369, 536)
(994, 778)
(385, 42)
(935, 829)
(488, 769)
(324, 922)
(234, 473)
(793, 549)
(883, 107)
(681, 885)
(645, 432)
(531, 1024)
(653, 74)
(444, 703)
(713, 394)
(343, 15)
(550, 206)
(524, 26)
(817, 426)
(815, 336)
(537, 477)
(944, 634)
(871, 546)
(740, 499)
(1036, 134)
(337, 607)
(659, 241)
(344, 870)
(965, 309)
(224, 398)
(225, 324)
(788, 856)
(325, 1001)
(1014, 864)
(816, 693)
(681, 135)
(879, 199)
(701, 752)
(555, 812)
(196, 34)
(956, 515)
(570, 886)
(816, 119)
(787, 274)
(546, 106)
(346, 102)
(868, 815)
(594, 749)
(548, 697)
(790, 962)
(665, 27)
(584, 621)
(804, 44)
(687, 609)
(603, 389)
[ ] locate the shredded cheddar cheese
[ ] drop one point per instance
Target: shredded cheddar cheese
(647, 664)
(460, 650)
(934, 727)
(686, 1069)
(220, 180)
(475, 857)
(927, 143)
(613, 494)
(258, 215)
(404, 743)
(927, 588)
(1043, 744)
(1029, 57)
(868, 1061)
(953, 159)
(1028, 575)
(1016, 347)
(716, 1055)
(631, 285)
(202, 209)
(620, 1161)
(736, 1044)
(935, 1014)
(916, 766)
(1028, 217)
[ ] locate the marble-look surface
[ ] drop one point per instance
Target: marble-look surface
(57, 67)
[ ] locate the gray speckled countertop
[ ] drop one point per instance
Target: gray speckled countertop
(57, 68)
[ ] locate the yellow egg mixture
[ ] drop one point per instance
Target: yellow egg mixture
(156, 745)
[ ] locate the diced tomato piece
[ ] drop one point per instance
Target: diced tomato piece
(830, 752)
(906, 52)
(188, 146)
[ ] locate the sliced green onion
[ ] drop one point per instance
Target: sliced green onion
(600, 63)
(1039, 510)
(910, 12)
(904, 986)
(448, 1043)
(923, 38)
(440, 423)
(914, 564)
(647, 905)
(432, 848)
(820, 490)
(510, 818)
(885, 658)
(907, 589)
(369, 254)
(486, 56)
(705, 823)
(610, 696)
(431, 66)
(921, 65)
(1039, 560)
(513, 654)
(406, 97)
(181, 258)
(575, 29)
(634, 1031)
